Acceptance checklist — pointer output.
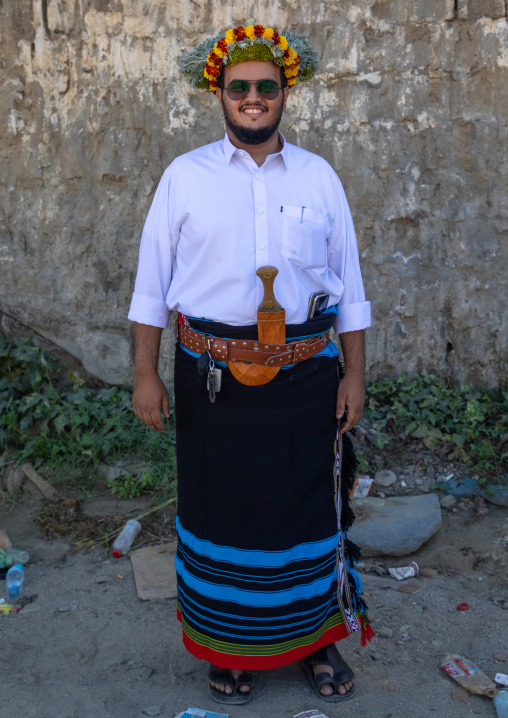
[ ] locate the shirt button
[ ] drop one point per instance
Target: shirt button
(258, 176)
(261, 246)
(260, 210)
(241, 153)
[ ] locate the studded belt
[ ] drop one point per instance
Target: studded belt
(250, 350)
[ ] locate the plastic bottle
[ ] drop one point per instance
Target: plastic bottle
(125, 538)
(501, 704)
(14, 580)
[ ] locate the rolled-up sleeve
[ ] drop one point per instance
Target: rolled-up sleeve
(353, 312)
(156, 258)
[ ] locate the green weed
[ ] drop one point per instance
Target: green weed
(469, 425)
(65, 426)
(128, 486)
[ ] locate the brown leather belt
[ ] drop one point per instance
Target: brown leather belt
(249, 350)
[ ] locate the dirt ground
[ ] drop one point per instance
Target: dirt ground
(87, 646)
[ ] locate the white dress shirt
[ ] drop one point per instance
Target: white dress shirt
(216, 217)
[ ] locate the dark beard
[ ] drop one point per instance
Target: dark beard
(248, 135)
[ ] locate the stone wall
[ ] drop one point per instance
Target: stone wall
(410, 107)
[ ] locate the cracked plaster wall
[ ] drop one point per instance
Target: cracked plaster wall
(410, 107)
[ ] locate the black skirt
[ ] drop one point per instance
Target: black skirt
(265, 572)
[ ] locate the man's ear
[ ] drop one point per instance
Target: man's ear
(218, 95)
(285, 93)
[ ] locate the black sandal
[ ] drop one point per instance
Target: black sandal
(342, 673)
(224, 675)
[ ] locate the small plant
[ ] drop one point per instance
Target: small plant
(130, 487)
(470, 425)
(64, 425)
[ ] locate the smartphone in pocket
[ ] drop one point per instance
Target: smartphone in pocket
(318, 301)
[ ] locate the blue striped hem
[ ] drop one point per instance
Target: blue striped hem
(263, 559)
(255, 598)
(240, 623)
(253, 619)
(250, 577)
(248, 633)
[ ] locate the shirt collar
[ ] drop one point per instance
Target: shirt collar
(230, 149)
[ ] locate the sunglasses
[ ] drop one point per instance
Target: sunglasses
(238, 89)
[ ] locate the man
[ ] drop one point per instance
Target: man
(265, 572)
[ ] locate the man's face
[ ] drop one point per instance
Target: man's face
(254, 119)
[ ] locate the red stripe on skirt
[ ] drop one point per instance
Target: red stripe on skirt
(263, 663)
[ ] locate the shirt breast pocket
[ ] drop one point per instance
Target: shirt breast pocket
(304, 233)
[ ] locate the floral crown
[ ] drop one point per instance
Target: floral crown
(203, 65)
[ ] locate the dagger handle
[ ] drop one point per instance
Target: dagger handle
(267, 275)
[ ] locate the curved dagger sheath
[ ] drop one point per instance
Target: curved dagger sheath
(271, 330)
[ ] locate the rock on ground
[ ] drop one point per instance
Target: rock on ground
(153, 711)
(396, 526)
(447, 502)
(385, 477)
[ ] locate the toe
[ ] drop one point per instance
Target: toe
(243, 687)
(327, 688)
(222, 687)
(345, 688)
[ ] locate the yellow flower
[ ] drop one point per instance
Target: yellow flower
(283, 43)
(230, 37)
(268, 33)
(292, 82)
(292, 54)
(292, 73)
(218, 51)
(249, 31)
